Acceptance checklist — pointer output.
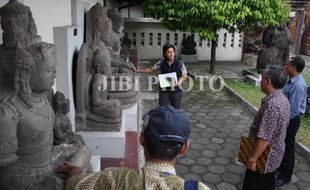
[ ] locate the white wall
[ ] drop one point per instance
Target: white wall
(92, 2)
(149, 37)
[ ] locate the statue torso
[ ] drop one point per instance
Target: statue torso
(34, 137)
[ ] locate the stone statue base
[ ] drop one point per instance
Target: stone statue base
(189, 58)
(254, 79)
(112, 144)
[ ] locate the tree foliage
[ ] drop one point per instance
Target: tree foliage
(206, 17)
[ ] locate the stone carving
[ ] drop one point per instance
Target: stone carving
(27, 122)
(125, 47)
(95, 110)
(305, 40)
(27, 119)
(68, 146)
(120, 66)
(189, 45)
(275, 50)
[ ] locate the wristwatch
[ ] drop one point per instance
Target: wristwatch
(251, 160)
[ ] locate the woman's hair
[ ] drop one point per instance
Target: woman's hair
(166, 47)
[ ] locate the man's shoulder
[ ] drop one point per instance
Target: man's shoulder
(121, 171)
(279, 101)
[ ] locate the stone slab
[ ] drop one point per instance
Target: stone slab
(95, 163)
(250, 59)
(253, 80)
(189, 58)
(112, 144)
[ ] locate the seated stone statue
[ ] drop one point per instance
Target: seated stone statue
(95, 110)
(189, 45)
(120, 65)
(68, 146)
(63, 129)
(27, 121)
(125, 47)
(102, 103)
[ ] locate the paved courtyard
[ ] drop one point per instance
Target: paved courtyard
(218, 121)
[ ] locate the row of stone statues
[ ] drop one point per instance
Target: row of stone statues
(35, 132)
(99, 59)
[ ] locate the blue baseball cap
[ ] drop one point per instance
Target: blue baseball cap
(166, 124)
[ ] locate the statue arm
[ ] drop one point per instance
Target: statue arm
(8, 139)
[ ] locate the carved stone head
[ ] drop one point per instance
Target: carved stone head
(98, 25)
(61, 103)
(117, 20)
(35, 69)
(18, 25)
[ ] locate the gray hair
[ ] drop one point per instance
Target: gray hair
(276, 74)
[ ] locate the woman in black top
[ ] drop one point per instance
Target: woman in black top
(169, 95)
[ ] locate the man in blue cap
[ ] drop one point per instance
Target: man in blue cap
(164, 137)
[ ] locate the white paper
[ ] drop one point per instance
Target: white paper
(166, 80)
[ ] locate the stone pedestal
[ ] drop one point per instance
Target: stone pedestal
(250, 59)
(95, 162)
(189, 58)
(68, 40)
(254, 79)
(112, 144)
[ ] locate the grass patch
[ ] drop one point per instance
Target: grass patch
(249, 92)
(254, 96)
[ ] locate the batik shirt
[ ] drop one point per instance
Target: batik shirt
(153, 176)
(270, 124)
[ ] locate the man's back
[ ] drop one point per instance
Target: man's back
(157, 176)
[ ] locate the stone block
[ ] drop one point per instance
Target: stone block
(112, 144)
(250, 59)
(255, 80)
(189, 58)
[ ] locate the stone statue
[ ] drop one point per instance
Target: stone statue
(275, 50)
(189, 45)
(63, 129)
(18, 27)
(27, 121)
(120, 65)
(95, 110)
(125, 47)
(305, 40)
(68, 146)
(26, 117)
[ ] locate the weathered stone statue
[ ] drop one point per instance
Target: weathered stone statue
(275, 50)
(18, 27)
(305, 40)
(125, 47)
(95, 110)
(27, 122)
(68, 146)
(27, 119)
(119, 65)
(189, 45)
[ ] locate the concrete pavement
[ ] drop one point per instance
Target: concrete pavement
(218, 122)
